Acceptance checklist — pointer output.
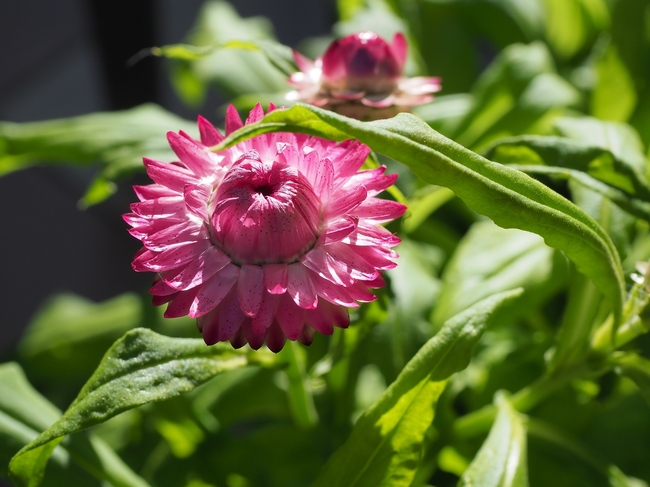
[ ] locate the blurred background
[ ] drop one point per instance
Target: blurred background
(62, 58)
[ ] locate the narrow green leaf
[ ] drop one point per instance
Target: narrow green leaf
(277, 54)
(501, 461)
(614, 167)
(117, 140)
(24, 413)
(636, 368)
(507, 196)
(141, 367)
(489, 260)
(386, 444)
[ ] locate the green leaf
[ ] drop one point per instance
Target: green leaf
(235, 72)
(24, 413)
(490, 259)
(618, 138)
(386, 444)
(614, 97)
(118, 140)
(69, 334)
(507, 196)
(613, 166)
(139, 368)
(277, 54)
(636, 368)
(501, 461)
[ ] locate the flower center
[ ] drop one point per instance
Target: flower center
(265, 213)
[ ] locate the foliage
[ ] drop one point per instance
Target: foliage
(510, 347)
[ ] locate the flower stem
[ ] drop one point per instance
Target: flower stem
(300, 395)
(480, 421)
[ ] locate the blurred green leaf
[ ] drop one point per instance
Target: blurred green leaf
(610, 163)
(141, 367)
(277, 54)
(614, 97)
(117, 140)
(618, 138)
(489, 260)
(636, 368)
(235, 72)
(386, 444)
(505, 195)
(501, 461)
(24, 413)
(571, 24)
(514, 95)
(69, 334)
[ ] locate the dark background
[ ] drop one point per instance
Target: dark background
(60, 58)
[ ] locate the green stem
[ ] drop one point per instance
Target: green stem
(300, 395)
(480, 421)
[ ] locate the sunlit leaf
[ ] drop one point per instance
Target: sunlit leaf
(501, 461)
(385, 446)
(24, 413)
(141, 367)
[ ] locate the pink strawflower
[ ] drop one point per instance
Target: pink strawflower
(275, 237)
(360, 74)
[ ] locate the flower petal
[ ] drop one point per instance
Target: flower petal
(276, 278)
(233, 120)
(210, 136)
(251, 289)
(212, 292)
(290, 318)
(266, 313)
(192, 155)
(199, 270)
(300, 287)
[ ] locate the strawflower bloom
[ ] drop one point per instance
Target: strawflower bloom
(271, 239)
(361, 76)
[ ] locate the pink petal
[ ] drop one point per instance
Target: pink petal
(173, 236)
(255, 115)
(371, 235)
(180, 305)
(233, 120)
(275, 339)
(323, 181)
(199, 270)
(352, 262)
(169, 175)
(275, 278)
(160, 208)
(337, 230)
(254, 340)
(251, 289)
(192, 155)
(351, 160)
(359, 291)
(378, 257)
(212, 292)
(290, 318)
(153, 191)
(399, 48)
(304, 64)
(307, 335)
(333, 293)
(160, 288)
(379, 210)
(197, 198)
(373, 180)
(266, 314)
(222, 322)
(323, 264)
(210, 136)
(342, 204)
(300, 287)
(169, 259)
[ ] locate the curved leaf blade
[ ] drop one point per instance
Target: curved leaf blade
(507, 196)
(385, 446)
(141, 367)
(24, 413)
(501, 461)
